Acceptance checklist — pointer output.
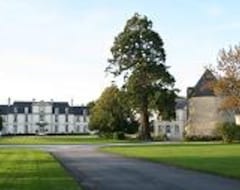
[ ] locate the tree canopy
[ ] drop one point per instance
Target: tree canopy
(139, 56)
(110, 113)
(228, 84)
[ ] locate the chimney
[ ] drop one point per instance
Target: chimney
(51, 101)
(71, 102)
(9, 101)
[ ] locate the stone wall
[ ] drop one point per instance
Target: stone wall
(203, 115)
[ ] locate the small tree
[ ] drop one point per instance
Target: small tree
(110, 114)
(138, 54)
(228, 84)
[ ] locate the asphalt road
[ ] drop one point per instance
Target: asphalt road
(100, 171)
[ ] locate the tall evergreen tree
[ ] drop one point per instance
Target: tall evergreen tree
(139, 56)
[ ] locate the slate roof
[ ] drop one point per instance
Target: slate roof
(4, 109)
(20, 106)
(203, 86)
(61, 107)
(181, 103)
(78, 110)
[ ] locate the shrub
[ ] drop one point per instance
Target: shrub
(228, 131)
(160, 137)
(119, 135)
(202, 138)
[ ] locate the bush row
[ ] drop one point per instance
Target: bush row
(228, 131)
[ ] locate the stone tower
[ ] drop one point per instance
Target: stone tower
(203, 107)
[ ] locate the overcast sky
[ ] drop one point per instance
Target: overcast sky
(59, 48)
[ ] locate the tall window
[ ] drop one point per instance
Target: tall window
(168, 129)
(78, 118)
(26, 129)
(56, 128)
(41, 116)
(15, 129)
(15, 114)
(84, 115)
(66, 114)
(177, 129)
(56, 114)
(26, 114)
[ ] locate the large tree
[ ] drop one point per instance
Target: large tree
(110, 113)
(228, 84)
(139, 56)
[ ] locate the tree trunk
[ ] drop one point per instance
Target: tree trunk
(144, 132)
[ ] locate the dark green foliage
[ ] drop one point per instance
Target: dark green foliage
(202, 138)
(119, 135)
(90, 106)
(110, 114)
(228, 131)
(138, 54)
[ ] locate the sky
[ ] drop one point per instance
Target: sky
(58, 49)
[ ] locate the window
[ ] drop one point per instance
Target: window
(177, 129)
(84, 118)
(15, 117)
(168, 129)
(56, 128)
(160, 128)
(26, 129)
(41, 116)
(84, 115)
(15, 129)
(78, 118)
(56, 118)
(56, 111)
(78, 129)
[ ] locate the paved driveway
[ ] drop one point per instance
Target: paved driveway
(99, 171)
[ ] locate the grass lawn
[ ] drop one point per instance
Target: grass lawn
(22, 169)
(219, 159)
(56, 140)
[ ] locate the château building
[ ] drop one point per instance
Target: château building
(40, 117)
(203, 108)
(173, 129)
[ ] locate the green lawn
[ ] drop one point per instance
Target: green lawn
(22, 169)
(220, 159)
(55, 140)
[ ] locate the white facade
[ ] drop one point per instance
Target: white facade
(44, 118)
(174, 130)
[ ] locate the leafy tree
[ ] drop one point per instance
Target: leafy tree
(90, 106)
(139, 56)
(228, 84)
(109, 114)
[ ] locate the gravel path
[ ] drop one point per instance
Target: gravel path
(100, 171)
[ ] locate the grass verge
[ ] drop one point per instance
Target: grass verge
(41, 140)
(221, 159)
(22, 169)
